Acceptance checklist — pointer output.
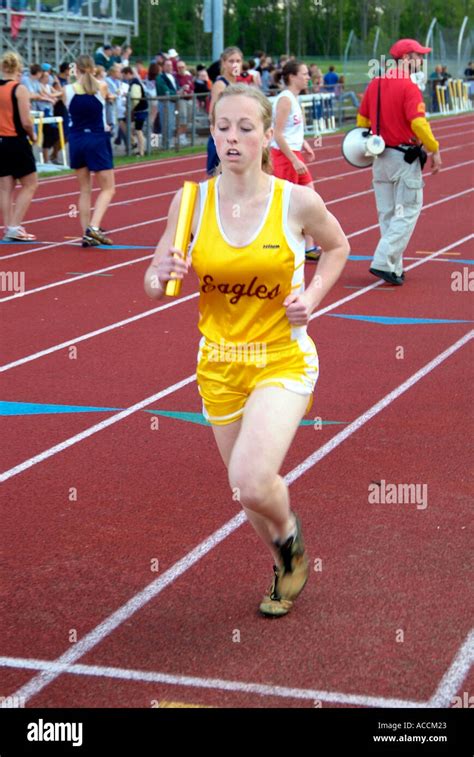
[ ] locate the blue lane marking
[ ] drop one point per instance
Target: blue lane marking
(23, 241)
(393, 320)
(117, 246)
(31, 408)
(460, 260)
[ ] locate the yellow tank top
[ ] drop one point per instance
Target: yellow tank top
(242, 289)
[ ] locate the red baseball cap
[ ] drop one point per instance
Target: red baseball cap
(404, 46)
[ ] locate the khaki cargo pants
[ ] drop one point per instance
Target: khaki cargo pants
(398, 188)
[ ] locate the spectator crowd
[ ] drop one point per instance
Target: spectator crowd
(170, 94)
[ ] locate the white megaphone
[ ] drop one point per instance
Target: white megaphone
(360, 147)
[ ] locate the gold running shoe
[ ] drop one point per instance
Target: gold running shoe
(98, 235)
(295, 567)
(273, 605)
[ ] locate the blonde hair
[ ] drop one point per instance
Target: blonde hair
(11, 63)
(86, 67)
(243, 90)
(227, 53)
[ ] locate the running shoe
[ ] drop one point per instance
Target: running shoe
(97, 234)
(88, 241)
(273, 605)
(17, 234)
(294, 572)
(313, 254)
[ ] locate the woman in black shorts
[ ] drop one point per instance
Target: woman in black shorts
(16, 156)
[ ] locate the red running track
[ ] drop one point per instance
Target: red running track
(384, 571)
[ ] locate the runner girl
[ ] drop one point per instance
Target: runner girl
(254, 309)
(231, 67)
(288, 140)
(90, 148)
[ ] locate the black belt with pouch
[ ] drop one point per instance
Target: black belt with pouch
(411, 153)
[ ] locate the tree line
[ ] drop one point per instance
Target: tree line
(313, 27)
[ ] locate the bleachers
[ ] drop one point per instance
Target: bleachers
(58, 30)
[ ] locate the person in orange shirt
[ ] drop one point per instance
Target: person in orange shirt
(16, 156)
(393, 107)
(257, 366)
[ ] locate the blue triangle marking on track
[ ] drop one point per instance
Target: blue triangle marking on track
(360, 257)
(115, 246)
(32, 408)
(181, 416)
(393, 320)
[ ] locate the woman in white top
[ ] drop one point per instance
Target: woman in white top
(288, 141)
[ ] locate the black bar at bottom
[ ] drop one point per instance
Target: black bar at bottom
(326, 731)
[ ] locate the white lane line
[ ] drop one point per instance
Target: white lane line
(132, 319)
(52, 245)
(173, 191)
(73, 241)
(77, 278)
(340, 158)
(94, 429)
(446, 124)
(425, 207)
(97, 332)
(370, 191)
(123, 228)
(131, 200)
(336, 440)
(139, 600)
(170, 176)
(367, 173)
(453, 679)
(264, 690)
(147, 257)
(378, 283)
(153, 163)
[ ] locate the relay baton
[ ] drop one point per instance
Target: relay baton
(182, 236)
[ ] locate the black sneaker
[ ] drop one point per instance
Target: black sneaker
(388, 276)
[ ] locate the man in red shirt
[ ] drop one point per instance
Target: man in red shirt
(398, 184)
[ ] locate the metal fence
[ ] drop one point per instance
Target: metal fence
(165, 124)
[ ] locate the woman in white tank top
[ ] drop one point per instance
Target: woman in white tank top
(288, 141)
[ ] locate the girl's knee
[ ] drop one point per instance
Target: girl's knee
(250, 488)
